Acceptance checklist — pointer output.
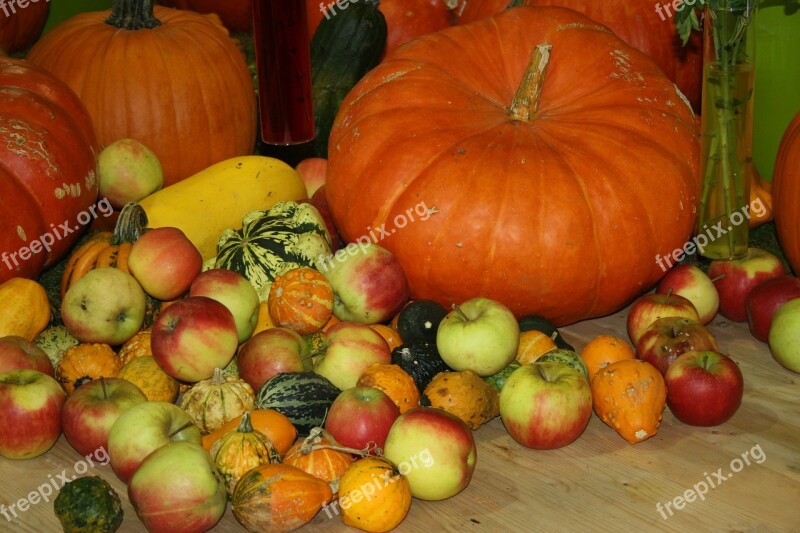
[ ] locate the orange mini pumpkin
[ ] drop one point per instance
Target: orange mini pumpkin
(395, 382)
(24, 308)
(86, 362)
(156, 384)
(630, 396)
(532, 345)
(318, 455)
(390, 495)
(137, 346)
(301, 299)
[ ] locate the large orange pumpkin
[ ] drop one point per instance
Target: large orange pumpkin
(20, 27)
(178, 83)
(786, 193)
(556, 202)
(635, 22)
(236, 15)
(47, 169)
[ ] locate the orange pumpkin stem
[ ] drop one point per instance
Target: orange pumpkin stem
(133, 15)
(526, 100)
(314, 442)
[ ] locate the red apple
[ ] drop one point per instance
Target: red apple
(735, 278)
(92, 409)
(165, 262)
(30, 413)
(360, 418)
(178, 489)
(434, 449)
(693, 284)
(667, 338)
(127, 172)
(320, 201)
(368, 282)
(17, 353)
(271, 352)
(192, 337)
(545, 405)
(313, 171)
(704, 388)
(648, 308)
(350, 348)
(235, 292)
(144, 428)
(764, 299)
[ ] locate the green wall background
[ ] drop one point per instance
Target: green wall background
(61, 10)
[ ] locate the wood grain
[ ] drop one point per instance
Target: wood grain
(598, 483)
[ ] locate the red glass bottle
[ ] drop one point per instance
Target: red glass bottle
(283, 61)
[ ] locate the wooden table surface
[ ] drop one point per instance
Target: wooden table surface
(598, 483)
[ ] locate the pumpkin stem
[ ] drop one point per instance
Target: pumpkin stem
(133, 15)
(245, 426)
(526, 100)
(314, 442)
(130, 224)
(218, 378)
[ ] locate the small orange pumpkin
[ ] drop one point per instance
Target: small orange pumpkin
(301, 299)
(390, 495)
(86, 362)
(532, 345)
(760, 199)
(24, 308)
(318, 455)
(278, 498)
(276, 426)
(157, 385)
(389, 334)
(137, 346)
(395, 382)
(630, 396)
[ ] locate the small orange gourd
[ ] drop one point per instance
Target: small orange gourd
(301, 299)
(390, 495)
(389, 334)
(137, 346)
(630, 396)
(395, 382)
(318, 455)
(276, 426)
(86, 362)
(760, 199)
(157, 385)
(464, 394)
(24, 308)
(532, 345)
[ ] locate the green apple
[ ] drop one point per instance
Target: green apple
(481, 335)
(178, 488)
(127, 172)
(350, 348)
(105, 306)
(784, 335)
(434, 449)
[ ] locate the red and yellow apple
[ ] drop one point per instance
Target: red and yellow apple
(192, 337)
(693, 284)
(17, 353)
(127, 172)
(165, 262)
(650, 307)
(235, 292)
(313, 171)
(667, 338)
(784, 335)
(349, 349)
(271, 352)
(764, 300)
(30, 413)
(361, 417)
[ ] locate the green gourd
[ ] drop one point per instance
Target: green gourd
(88, 505)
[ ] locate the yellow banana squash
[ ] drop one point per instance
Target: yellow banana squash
(217, 198)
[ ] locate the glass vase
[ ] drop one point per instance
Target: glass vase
(727, 127)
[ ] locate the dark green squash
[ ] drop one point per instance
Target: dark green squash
(419, 320)
(303, 397)
(88, 505)
(421, 360)
(344, 48)
(538, 323)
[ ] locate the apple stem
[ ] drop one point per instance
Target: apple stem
(457, 309)
(103, 386)
(721, 276)
(186, 425)
(540, 370)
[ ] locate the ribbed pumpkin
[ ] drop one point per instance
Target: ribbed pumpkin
(47, 169)
(269, 243)
(630, 396)
(215, 401)
(395, 382)
(236, 15)
(278, 498)
(569, 153)
(106, 249)
(24, 308)
(137, 346)
(21, 27)
(86, 362)
(656, 37)
(173, 80)
(156, 384)
(387, 506)
(278, 429)
(317, 455)
(786, 193)
(241, 450)
(301, 299)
